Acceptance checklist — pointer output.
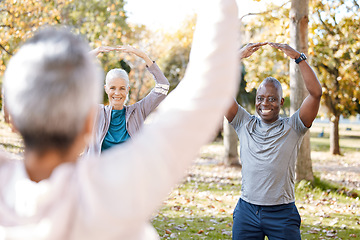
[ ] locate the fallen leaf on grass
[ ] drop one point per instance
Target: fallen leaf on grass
(224, 232)
(176, 208)
(180, 228)
(200, 231)
(173, 235)
(314, 230)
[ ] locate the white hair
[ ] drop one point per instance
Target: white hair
(51, 84)
(117, 73)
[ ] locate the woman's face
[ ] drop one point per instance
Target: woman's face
(117, 90)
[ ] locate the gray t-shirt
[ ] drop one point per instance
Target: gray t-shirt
(268, 154)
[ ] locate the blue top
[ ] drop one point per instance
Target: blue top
(117, 132)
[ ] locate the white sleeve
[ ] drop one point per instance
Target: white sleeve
(131, 180)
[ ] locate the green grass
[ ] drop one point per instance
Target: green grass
(349, 139)
(201, 206)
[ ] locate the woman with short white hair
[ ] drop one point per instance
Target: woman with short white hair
(117, 122)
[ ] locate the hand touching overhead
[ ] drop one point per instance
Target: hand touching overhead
(102, 49)
(137, 52)
(285, 48)
(249, 49)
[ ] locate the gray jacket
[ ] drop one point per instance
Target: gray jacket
(135, 114)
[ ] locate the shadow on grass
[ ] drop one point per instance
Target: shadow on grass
(327, 186)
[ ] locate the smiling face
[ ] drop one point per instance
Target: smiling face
(269, 101)
(117, 90)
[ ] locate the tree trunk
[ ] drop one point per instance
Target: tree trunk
(299, 40)
(334, 135)
(231, 157)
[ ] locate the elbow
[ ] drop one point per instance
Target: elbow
(319, 93)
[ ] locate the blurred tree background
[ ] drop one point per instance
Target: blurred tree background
(334, 52)
(334, 46)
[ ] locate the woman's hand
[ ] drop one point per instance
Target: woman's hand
(289, 51)
(137, 52)
(102, 49)
(249, 49)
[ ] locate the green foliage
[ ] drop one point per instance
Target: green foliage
(20, 19)
(335, 50)
(175, 56)
(326, 186)
(270, 27)
(102, 22)
(245, 98)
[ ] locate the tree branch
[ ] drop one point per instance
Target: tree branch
(2, 47)
(328, 69)
(261, 13)
(356, 4)
(324, 24)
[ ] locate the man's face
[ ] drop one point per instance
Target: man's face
(268, 102)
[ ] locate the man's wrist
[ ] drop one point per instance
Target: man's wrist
(300, 58)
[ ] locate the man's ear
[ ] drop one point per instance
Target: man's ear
(282, 102)
(105, 89)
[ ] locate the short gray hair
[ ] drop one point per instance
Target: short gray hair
(51, 84)
(275, 82)
(117, 73)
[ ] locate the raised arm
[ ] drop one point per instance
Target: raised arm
(137, 52)
(141, 172)
(310, 106)
(159, 92)
(102, 49)
(244, 52)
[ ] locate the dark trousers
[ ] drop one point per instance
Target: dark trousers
(254, 222)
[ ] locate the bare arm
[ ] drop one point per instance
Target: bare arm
(244, 52)
(310, 106)
(232, 111)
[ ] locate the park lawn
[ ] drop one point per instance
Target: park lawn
(201, 206)
(349, 137)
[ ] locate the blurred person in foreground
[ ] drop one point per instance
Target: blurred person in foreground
(53, 88)
(269, 145)
(117, 122)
